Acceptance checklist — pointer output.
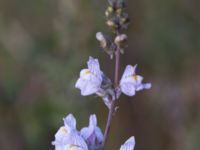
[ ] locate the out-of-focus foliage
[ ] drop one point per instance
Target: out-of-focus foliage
(44, 44)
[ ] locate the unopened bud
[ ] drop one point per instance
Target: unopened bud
(124, 20)
(120, 39)
(111, 24)
(109, 11)
(117, 3)
(101, 38)
(106, 43)
(119, 11)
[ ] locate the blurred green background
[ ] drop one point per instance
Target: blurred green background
(45, 43)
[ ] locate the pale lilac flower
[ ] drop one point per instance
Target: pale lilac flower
(90, 79)
(92, 134)
(67, 137)
(130, 82)
(129, 144)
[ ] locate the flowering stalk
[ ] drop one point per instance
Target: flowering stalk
(116, 75)
(92, 80)
(112, 109)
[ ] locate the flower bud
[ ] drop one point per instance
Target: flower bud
(101, 38)
(117, 3)
(121, 39)
(106, 44)
(119, 11)
(109, 11)
(124, 20)
(111, 24)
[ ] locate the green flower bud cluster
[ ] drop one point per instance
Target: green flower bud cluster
(117, 19)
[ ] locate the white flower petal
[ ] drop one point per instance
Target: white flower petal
(59, 147)
(93, 66)
(147, 86)
(85, 133)
(140, 87)
(129, 71)
(77, 141)
(87, 87)
(128, 88)
(90, 88)
(60, 135)
(73, 148)
(93, 121)
(92, 134)
(135, 79)
(129, 144)
(100, 36)
(80, 83)
(85, 74)
(88, 131)
(99, 134)
(70, 121)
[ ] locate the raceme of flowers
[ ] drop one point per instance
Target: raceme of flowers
(90, 80)
(88, 138)
(93, 81)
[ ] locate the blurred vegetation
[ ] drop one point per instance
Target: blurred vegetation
(45, 43)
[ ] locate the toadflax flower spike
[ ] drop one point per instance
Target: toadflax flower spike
(92, 134)
(130, 82)
(67, 137)
(129, 144)
(90, 79)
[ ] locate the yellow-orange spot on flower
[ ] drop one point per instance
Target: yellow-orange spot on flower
(64, 130)
(72, 145)
(134, 77)
(87, 72)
